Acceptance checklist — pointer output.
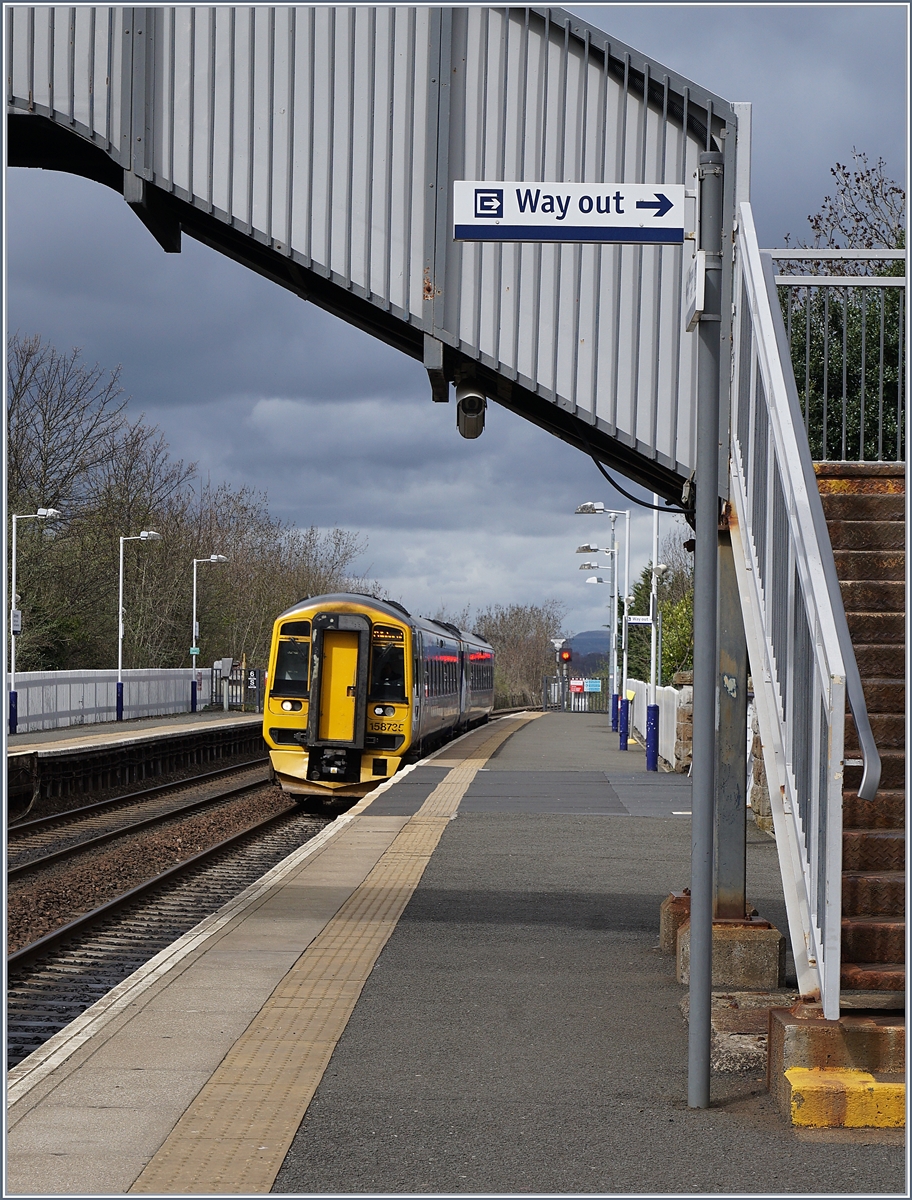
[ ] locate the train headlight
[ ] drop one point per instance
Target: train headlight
(379, 710)
(291, 705)
(389, 711)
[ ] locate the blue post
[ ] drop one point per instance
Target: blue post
(13, 711)
(119, 716)
(652, 737)
(614, 712)
(624, 723)
(193, 695)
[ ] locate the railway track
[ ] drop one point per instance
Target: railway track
(51, 981)
(33, 845)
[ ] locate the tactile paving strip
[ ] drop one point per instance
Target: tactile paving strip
(234, 1136)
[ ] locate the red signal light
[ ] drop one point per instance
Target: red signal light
(566, 655)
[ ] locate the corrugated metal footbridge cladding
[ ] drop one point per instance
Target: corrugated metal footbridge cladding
(318, 146)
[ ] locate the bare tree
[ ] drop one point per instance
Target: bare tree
(521, 636)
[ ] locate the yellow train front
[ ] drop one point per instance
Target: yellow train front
(356, 685)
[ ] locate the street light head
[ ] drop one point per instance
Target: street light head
(48, 514)
(587, 549)
(217, 558)
(149, 535)
(595, 579)
(591, 506)
(660, 569)
(589, 566)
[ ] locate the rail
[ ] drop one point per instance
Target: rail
(801, 655)
(846, 335)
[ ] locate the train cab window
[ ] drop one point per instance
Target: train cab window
(292, 666)
(388, 673)
(300, 629)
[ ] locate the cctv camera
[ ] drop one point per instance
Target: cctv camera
(470, 410)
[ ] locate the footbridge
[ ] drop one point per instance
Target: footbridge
(322, 148)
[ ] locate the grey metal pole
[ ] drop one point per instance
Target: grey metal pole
(705, 655)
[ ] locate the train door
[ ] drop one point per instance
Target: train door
(338, 691)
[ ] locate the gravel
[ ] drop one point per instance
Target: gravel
(41, 902)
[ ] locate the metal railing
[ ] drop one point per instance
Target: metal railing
(846, 335)
(557, 696)
(801, 655)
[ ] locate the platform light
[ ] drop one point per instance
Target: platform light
(41, 514)
(590, 507)
(588, 548)
(147, 535)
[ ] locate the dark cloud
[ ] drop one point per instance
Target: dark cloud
(263, 389)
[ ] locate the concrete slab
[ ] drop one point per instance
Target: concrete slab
(68, 1174)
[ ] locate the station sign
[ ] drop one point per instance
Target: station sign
(194, 650)
(592, 685)
(632, 213)
(694, 291)
(15, 620)
(639, 620)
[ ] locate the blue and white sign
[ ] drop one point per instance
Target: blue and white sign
(592, 685)
(637, 213)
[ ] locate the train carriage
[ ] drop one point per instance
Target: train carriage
(356, 686)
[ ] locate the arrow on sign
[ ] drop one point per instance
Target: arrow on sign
(661, 204)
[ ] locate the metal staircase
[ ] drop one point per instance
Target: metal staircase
(801, 654)
(864, 507)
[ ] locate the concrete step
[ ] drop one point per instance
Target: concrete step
(889, 730)
(859, 506)
(873, 977)
(873, 595)
(873, 939)
(870, 564)
(883, 627)
(878, 661)
(801, 1038)
(867, 535)
(873, 850)
(873, 893)
(830, 1098)
(886, 811)
(892, 775)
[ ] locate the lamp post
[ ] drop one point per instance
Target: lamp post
(597, 508)
(147, 535)
(194, 637)
(42, 514)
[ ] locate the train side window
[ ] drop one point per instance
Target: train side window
(292, 669)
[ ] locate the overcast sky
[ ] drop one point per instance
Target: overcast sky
(260, 388)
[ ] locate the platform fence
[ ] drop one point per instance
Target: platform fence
(58, 699)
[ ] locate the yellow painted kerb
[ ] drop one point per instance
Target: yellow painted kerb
(827, 1097)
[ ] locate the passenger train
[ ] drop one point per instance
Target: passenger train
(356, 686)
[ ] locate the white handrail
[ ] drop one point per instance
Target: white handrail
(798, 641)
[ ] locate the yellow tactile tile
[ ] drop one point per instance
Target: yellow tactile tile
(235, 1134)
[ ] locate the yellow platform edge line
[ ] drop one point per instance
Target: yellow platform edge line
(221, 1146)
(838, 1098)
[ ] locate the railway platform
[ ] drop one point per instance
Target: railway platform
(49, 770)
(455, 988)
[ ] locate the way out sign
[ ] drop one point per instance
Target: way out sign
(637, 213)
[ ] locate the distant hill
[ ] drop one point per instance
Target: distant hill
(591, 641)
